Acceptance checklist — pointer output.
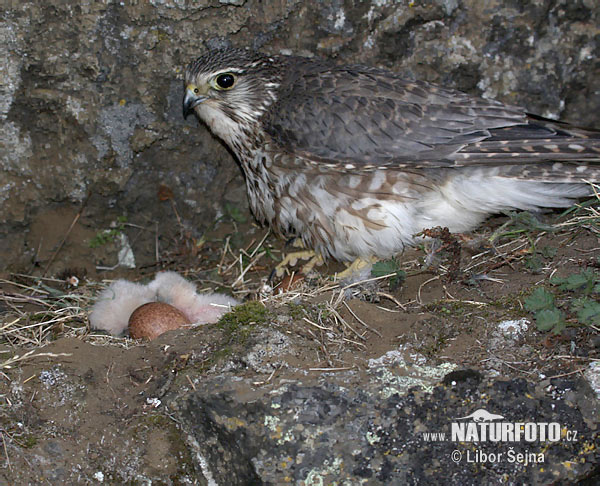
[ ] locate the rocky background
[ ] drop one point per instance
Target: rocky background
(90, 96)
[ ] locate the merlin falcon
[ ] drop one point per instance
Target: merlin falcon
(356, 160)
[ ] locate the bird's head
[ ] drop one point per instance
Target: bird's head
(229, 88)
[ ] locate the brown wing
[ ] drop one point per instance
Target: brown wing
(368, 117)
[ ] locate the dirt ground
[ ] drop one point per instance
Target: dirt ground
(461, 300)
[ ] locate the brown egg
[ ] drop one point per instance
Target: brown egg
(152, 319)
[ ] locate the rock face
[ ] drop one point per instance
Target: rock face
(352, 430)
(90, 98)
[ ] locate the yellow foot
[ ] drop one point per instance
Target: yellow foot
(291, 259)
(355, 267)
(315, 261)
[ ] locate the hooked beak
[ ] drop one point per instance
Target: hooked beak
(191, 99)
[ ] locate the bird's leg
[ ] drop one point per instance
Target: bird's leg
(292, 258)
(355, 267)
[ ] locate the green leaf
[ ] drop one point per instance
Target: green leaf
(576, 281)
(588, 312)
(560, 327)
(387, 267)
(539, 299)
(103, 237)
(384, 267)
(547, 319)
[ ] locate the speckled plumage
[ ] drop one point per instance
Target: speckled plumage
(356, 160)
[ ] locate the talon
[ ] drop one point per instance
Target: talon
(355, 267)
(295, 242)
(291, 259)
(315, 261)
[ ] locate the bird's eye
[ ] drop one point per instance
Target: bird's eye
(196, 90)
(225, 81)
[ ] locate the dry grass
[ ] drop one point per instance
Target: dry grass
(38, 310)
(42, 309)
